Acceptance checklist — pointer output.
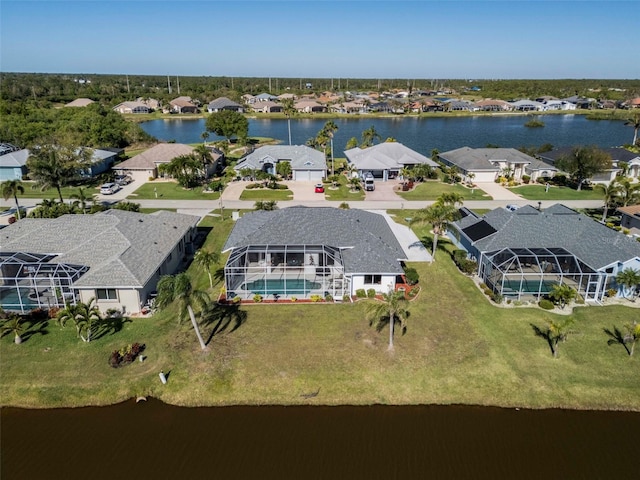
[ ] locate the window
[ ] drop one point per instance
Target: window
(106, 294)
(373, 279)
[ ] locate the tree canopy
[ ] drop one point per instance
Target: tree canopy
(228, 124)
(584, 162)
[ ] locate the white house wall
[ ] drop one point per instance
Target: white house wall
(388, 283)
(127, 300)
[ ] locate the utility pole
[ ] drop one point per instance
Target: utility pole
(269, 84)
(178, 82)
(169, 84)
(128, 90)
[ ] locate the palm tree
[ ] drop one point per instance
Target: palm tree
(185, 169)
(354, 183)
(206, 260)
(81, 199)
(628, 279)
(610, 193)
(439, 215)
(11, 188)
(632, 336)
(563, 294)
(330, 128)
(178, 288)
(14, 325)
(54, 166)
(204, 154)
(289, 110)
(635, 123)
(629, 193)
(368, 137)
(451, 199)
(391, 308)
(204, 135)
(557, 331)
(83, 315)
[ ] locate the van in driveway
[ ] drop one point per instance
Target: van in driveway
(369, 183)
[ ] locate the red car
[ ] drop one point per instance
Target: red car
(319, 188)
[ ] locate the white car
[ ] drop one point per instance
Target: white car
(512, 208)
(109, 188)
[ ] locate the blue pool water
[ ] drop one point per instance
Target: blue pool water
(290, 286)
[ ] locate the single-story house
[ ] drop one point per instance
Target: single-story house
(302, 251)
(526, 252)
(605, 177)
(223, 103)
(116, 257)
(144, 166)
(132, 107)
(309, 106)
(487, 164)
(630, 217)
(527, 106)
(267, 106)
(80, 102)
(265, 97)
(491, 105)
(13, 165)
(183, 105)
(385, 160)
(306, 162)
(354, 106)
(631, 159)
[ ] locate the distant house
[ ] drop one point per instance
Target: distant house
(144, 166)
(80, 102)
(630, 217)
(152, 103)
(101, 161)
(552, 157)
(385, 160)
(621, 156)
(527, 106)
(309, 106)
(183, 105)
(306, 163)
(223, 103)
(116, 257)
(354, 106)
(487, 164)
(266, 106)
(13, 165)
(490, 105)
(264, 97)
(132, 107)
(526, 252)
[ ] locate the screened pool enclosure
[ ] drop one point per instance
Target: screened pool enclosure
(520, 272)
(285, 271)
(29, 281)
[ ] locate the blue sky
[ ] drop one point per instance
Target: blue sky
(326, 39)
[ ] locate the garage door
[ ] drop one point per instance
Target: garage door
(484, 176)
(308, 175)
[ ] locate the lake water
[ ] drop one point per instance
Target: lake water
(157, 441)
(423, 134)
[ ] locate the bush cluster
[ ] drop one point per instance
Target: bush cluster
(463, 263)
(546, 304)
(411, 275)
(371, 293)
(360, 293)
(126, 355)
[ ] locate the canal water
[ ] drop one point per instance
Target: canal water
(423, 134)
(157, 441)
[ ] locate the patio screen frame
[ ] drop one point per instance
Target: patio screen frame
(517, 272)
(29, 281)
(285, 270)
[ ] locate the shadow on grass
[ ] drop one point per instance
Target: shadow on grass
(223, 317)
(617, 337)
(110, 326)
(35, 327)
(383, 322)
(546, 334)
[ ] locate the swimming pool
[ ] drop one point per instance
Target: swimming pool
(9, 300)
(287, 286)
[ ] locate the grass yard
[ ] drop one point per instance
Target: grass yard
(537, 192)
(458, 349)
(31, 191)
(431, 190)
(170, 191)
(266, 194)
(343, 192)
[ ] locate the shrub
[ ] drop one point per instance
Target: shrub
(126, 355)
(251, 186)
(236, 300)
(611, 292)
(346, 298)
(344, 206)
(328, 298)
(526, 179)
(216, 186)
(546, 304)
(360, 293)
(315, 298)
(371, 293)
(496, 297)
(294, 299)
(257, 298)
(468, 266)
(412, 275)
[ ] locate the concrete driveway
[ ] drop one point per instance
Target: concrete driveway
(304, 191)
(384, 192)
(498, 192)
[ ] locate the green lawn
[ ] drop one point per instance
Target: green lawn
(31, 191)
(170, 191)
(431, 190)
(343, 192)
(266, 194)
(537, 192)
(458, 349)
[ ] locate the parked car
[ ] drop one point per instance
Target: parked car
(511, 207)
(319, 188)
(123, 179)
(369, 183)
(109, 188)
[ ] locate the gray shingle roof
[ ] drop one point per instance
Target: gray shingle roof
(121, 249)
(161, 153)
(14, 159)
(300, 156)
(368, 245)
(558, 226)
(223, 102)
(480, 158)
(386, 155)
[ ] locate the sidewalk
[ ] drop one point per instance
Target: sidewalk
(498, 192)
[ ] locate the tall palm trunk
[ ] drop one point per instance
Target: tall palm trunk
(289, 126)
(391, 322)
(15, 197)
(435, 245)
(195, 327)
(59, 193)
